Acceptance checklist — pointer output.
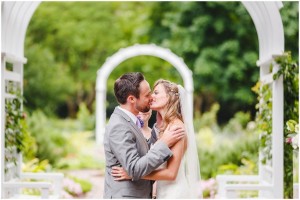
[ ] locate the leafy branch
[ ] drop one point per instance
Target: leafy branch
(290, 72)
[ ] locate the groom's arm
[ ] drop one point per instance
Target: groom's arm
(153, 137)
(123, 145)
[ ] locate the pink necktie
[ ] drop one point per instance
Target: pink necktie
(139, 122)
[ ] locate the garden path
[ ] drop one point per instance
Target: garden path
(96, 177)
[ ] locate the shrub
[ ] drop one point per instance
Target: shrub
(226, 151)
(238, 123)
(51, 142)
(217, 147)
(87, 121)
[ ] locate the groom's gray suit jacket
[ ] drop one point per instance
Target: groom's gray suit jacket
(125, 146)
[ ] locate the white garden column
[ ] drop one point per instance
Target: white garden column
(277, 134)
(100, 110)
(269, 27)
(124, 54)
(9, 77)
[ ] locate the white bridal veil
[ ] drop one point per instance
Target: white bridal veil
(192, 166)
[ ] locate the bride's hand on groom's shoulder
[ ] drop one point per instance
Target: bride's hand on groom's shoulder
(119, 174)
(172, 134)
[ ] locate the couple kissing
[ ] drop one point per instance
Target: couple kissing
(141, 162)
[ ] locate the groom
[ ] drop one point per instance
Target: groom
(125, 145)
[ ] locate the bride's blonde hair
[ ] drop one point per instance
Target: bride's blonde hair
(173, 108)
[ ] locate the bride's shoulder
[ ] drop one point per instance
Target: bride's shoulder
(177, 122)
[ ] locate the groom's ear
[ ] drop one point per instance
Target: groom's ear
(131, 99)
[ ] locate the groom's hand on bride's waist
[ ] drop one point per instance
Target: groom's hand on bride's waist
(172, 135)
(119, 174)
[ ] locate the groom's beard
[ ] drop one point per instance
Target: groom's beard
(143, 109)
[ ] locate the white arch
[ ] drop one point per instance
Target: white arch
(269, 27)
(123, 54)
(15, 17)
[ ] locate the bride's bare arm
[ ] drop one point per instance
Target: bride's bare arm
(173, 164)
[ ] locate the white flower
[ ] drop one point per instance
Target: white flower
(295, 141)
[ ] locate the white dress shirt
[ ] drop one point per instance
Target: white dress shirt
(130, 114)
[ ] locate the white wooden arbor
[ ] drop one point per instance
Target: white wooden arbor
(124, 54)
(269, 181)
(15, 17)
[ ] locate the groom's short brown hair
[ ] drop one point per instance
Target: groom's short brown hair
(128, 84)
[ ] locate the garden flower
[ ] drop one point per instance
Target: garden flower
(295, 141)
(72, 187)
(288, 140)
(66, 195)
(209, 186)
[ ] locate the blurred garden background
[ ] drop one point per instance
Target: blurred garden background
(67, 42)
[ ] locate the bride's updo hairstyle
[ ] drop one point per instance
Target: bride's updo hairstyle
(173, 108)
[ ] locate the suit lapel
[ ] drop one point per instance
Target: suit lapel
(138, 132)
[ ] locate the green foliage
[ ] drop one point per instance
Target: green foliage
(289, 70)
(85, 185)
(290, 19)
(80, 162)
(227, 151)
(35, 165)
(237, 150)
(52, 143)
(60, 143)
(264, 119)
(67, 42)
(292, 128)
(47, 83)
(82, 154)
(16, 131)
(238, 123)
(219, 49)
(87, 121)
(31, 191)
(15, 127)
(30, 145)
(74, 40)
(208, 119)
(76, 186)
(248, 167)
(228, 146)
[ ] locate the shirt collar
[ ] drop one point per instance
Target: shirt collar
(130, 114)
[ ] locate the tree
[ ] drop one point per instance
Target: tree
(218, 41)
(77, 38)
(219, 48)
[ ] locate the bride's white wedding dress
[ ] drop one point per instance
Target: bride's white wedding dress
(177, 189)
(187, 182)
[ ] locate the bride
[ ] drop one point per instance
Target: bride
(179, 177)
